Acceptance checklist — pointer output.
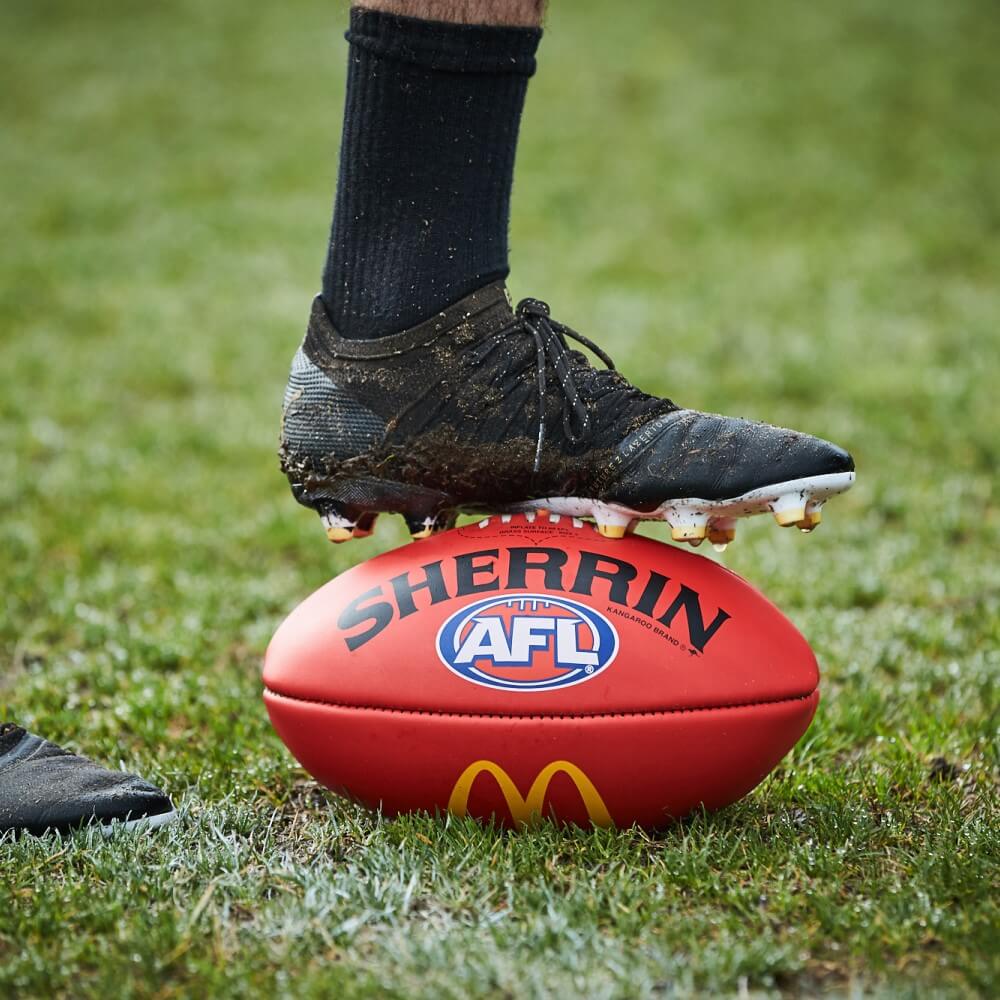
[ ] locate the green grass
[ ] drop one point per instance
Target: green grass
(787, 211)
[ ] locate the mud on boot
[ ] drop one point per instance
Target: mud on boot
(486, 409)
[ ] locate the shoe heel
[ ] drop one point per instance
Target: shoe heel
(348, 507)
(343, 522)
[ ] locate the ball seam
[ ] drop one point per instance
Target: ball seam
(629, 713)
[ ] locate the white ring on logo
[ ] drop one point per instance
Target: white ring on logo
(456, 622)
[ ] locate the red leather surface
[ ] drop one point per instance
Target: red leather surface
(683, 715)
(756, 654)
(647, 769)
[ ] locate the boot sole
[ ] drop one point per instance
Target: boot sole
(349, 508)
(145, 824)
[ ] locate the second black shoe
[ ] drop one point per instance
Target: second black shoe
(486, 409)
(46, 788)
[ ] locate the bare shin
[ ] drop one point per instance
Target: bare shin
(526, 13)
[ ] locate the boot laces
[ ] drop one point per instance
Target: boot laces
(533, 316)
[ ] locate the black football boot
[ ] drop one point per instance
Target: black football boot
(45, 788)
(484, 409)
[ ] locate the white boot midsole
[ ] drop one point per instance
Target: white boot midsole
(810, 493)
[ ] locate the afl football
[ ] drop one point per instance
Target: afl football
(526, 667)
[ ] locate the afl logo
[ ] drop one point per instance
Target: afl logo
(527, 642)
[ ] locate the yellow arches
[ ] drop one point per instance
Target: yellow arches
(525, 809)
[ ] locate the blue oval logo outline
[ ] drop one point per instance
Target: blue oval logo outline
(451, 642)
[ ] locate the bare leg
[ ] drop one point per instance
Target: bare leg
(523, 13)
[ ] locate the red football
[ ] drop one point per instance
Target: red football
(527, 666)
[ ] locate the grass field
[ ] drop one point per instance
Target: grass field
(785, 211)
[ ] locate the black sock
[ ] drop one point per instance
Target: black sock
(426, 162)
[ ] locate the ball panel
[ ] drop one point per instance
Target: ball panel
(643, 768)
(690, 634)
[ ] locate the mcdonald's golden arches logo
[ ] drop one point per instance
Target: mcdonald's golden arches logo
(523, 809)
